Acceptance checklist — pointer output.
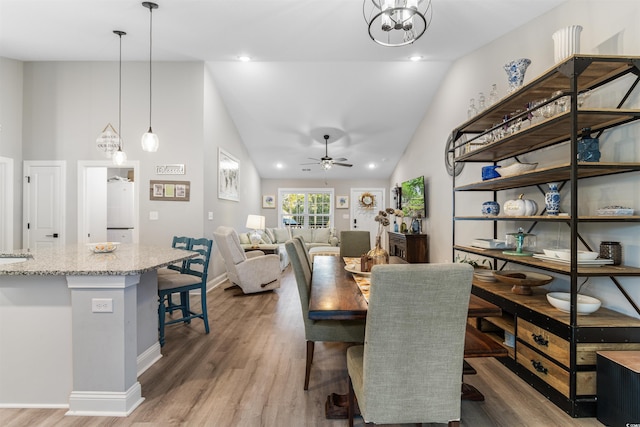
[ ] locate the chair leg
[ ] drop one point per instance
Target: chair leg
(352, 408)
(161, 314)
(310, 348)
(203, 304)
(184, 303)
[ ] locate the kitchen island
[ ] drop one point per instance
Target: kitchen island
(77, 328)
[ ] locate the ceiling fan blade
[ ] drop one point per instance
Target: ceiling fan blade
(317, 160)
(342, 164)
(316, 163)
(340, 159)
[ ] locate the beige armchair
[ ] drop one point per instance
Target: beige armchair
(252, 271)
(410, 368)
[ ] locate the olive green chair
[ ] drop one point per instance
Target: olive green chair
(354, 243)
(317, 330)
(409, 369)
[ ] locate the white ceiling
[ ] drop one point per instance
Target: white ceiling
(314, 68)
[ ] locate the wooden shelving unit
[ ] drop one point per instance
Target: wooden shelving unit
(554, 351)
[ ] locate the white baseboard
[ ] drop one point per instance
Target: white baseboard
(148, 358)
(216, 281)
(105, 404)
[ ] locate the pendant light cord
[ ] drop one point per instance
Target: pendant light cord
(150, 52)
(120, 143)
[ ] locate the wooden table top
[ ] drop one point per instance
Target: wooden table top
(335, 294)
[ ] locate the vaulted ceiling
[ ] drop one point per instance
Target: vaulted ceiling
(314, 69)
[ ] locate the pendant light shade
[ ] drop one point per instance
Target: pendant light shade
(119, 157)
(150, 140)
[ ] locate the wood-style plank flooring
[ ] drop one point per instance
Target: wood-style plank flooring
(249, 371)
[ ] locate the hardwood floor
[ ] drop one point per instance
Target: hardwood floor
(249, 371)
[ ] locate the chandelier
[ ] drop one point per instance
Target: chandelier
(397, 22)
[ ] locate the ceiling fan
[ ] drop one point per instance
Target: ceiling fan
(327, 162)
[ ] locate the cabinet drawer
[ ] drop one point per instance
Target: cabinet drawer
(555, 375)
(543, 340)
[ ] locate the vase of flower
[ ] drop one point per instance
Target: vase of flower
(378, 254)
(515, 72)
(552, 199)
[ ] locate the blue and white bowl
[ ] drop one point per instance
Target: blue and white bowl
(490, 208)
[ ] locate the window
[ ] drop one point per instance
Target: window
(305, 207)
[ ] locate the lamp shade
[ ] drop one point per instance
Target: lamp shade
(255, 222)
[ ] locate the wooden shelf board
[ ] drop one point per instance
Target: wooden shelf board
(556, 218)
(505, 323)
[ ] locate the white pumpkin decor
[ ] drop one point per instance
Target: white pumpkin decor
(520, 207)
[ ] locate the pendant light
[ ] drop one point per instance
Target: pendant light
(149, 139)
(119, 157)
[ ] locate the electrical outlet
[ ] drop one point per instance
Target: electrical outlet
(153, 215)
(102, 305)
(210, 216)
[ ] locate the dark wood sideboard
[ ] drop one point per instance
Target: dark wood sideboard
(413, 248)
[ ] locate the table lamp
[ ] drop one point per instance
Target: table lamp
(256, 222)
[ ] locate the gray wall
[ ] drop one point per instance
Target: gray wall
(610, 27)
(11, 134)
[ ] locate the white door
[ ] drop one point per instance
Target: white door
(362, 217)
(44, 204)
(6, 204)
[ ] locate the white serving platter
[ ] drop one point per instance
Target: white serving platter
(489, 244)
(584, 263)
(356, 270)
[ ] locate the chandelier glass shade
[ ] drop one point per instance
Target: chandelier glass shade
(397, 22)
(119, 157)
(150, 140)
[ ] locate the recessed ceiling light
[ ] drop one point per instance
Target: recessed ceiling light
(415, 58)
(372, 165)
(244, 58)
(279, 165)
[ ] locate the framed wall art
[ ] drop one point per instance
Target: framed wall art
(171, 191)
(228, 176)
(342, 202)
(269, 201)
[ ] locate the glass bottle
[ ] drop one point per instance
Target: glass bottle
(493, 95)
(588, 147)
(472, 111)
(481, 102)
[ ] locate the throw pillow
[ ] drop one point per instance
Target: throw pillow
(306, 233)
(321, 235)
(269, 233)
(282, 234)
(265, 238)
(244, 238)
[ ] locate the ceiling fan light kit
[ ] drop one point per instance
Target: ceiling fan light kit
(397, 22)
(327, 162)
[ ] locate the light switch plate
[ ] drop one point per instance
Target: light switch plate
(153, 215)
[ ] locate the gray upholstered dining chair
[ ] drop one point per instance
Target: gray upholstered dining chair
(306, 251)
(317, 330)
(409, 369)
(252, 271)
(354, 243)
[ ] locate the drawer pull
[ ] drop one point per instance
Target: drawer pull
(538, 367)
(540, 340)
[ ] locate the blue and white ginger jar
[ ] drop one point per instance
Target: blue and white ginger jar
(490, 208)
(515, 72)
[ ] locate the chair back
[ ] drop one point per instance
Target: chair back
(199, 265)
(232, 253)
(305, 250)
(414, 342)
(302, 272)
(180, 242)
(354, 243)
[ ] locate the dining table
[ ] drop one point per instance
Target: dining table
(339, 291)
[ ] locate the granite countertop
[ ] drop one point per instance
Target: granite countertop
(79, 260)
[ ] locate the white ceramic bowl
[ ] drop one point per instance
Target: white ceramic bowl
(562, 301)
(516, 169)
(565, 254)
(484, 275)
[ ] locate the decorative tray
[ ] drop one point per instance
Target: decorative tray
(355, 269)
(582, 262)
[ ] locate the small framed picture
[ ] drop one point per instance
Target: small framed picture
(169, 191)
(342, 202)
(268, 201)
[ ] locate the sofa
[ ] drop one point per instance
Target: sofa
(274, 238)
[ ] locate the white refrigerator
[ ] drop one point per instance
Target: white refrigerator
(120, 219)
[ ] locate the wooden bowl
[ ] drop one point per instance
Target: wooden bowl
(522, 281)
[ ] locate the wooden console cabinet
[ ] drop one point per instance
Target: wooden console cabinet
(413, 248)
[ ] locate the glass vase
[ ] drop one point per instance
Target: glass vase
(378, 254)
